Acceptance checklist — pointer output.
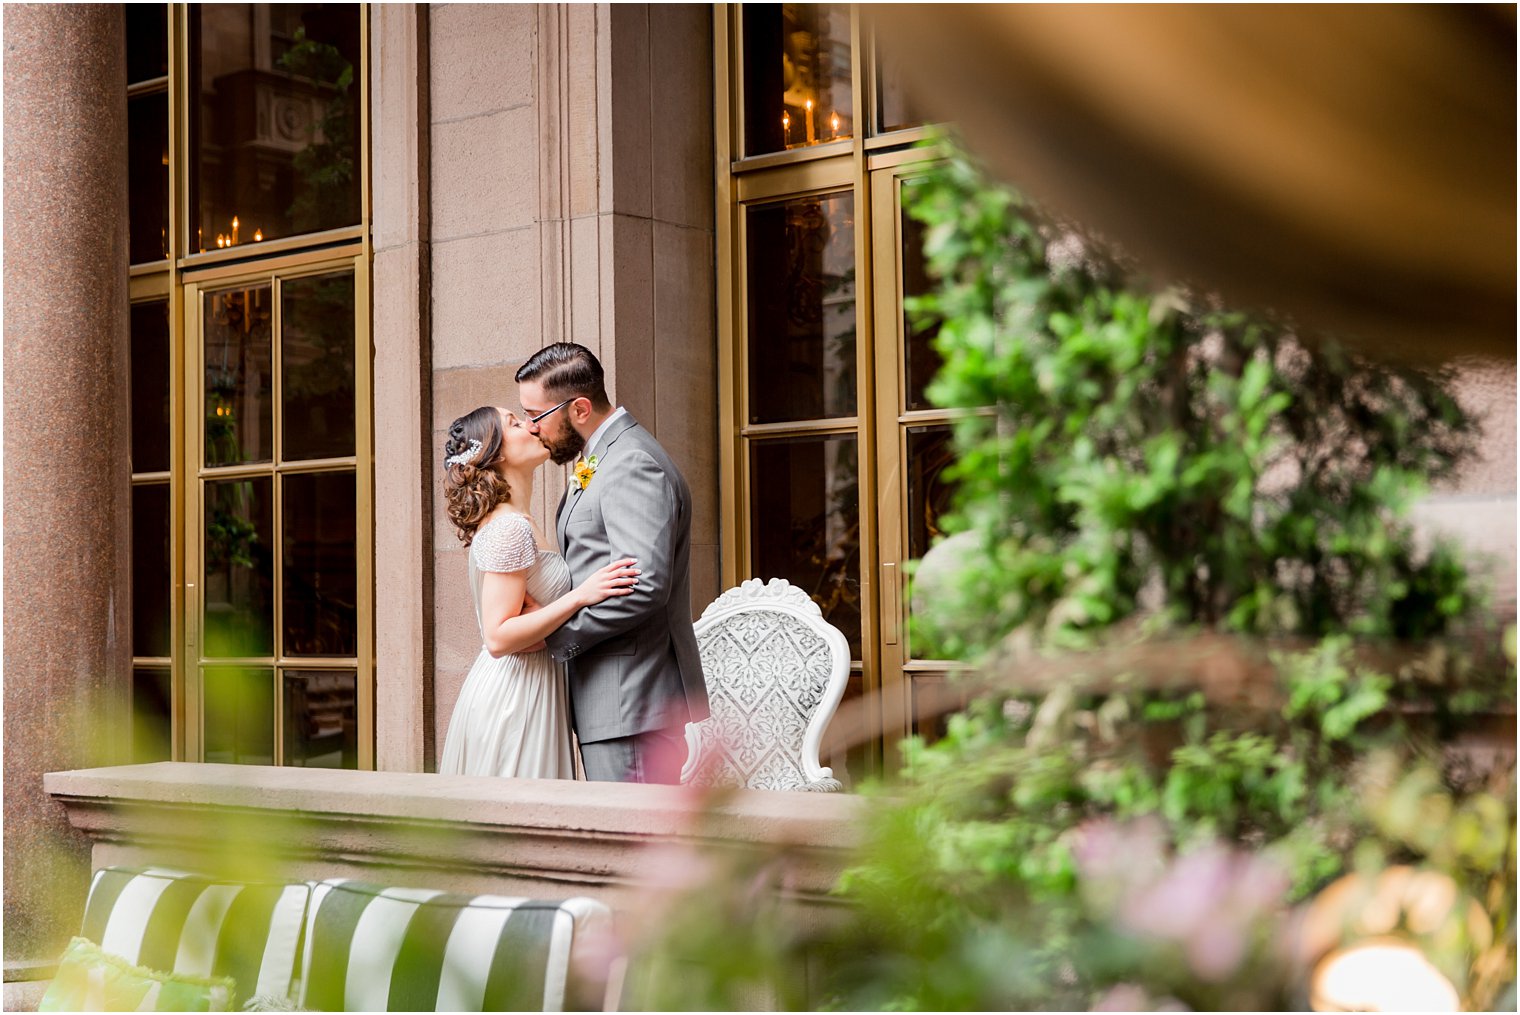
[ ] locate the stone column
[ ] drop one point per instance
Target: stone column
(404, 471)
(67, 452)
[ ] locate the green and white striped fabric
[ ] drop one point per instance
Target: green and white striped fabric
(195, 925)
(376, 948)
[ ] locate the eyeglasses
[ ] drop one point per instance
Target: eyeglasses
(533, 420)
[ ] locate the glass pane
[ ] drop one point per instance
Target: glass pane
(239, 713)
(239, 580)
(935, 699)
(275, 121)
(147, 41)
(930, 451)
(148, 177)
(152, 715)
(796, 76)
(894, 105)
(321, 719)
(150, 570)
(150, 386)
(321, 585)
(805, 516)
(801, 293)
(239, 399)
(922, 362)
(317, 366)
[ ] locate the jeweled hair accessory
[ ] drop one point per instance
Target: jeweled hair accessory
(464, 457)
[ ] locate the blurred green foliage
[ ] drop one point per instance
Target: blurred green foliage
(1149, 441)
(1144, 466)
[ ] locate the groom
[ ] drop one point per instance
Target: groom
(635, 675)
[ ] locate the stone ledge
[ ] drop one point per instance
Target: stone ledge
(514, 836)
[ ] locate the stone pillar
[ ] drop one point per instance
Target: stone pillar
(404, 470)
(572, 200)
(67, 451)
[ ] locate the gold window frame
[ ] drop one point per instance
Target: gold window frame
(869, 165)
(180, 279)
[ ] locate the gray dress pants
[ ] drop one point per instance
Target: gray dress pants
(655, 757)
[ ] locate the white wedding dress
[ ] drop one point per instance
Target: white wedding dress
(512, 717)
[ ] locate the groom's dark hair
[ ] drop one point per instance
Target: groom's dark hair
(567, 370)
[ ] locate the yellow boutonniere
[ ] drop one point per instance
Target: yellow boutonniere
(585, 468)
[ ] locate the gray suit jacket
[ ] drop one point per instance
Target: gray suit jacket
(633, 660)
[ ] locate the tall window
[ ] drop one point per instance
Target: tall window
(250, 384)
(833, 456)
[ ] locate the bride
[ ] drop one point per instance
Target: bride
(512, 716)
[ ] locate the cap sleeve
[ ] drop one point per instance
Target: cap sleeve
(505, 545)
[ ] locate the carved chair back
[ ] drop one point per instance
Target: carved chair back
(775, 671)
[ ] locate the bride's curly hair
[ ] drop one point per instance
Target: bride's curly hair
(471, 487)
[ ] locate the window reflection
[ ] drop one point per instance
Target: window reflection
(150, 372)
(805, 511)
(147, 41)
(150, 570)
(921, 360)
(239, 582)
(148, 178)
(239, 715)
(239, 409)
(319, 573)
(801, 293)
(152, 715)
(930, 451)
(317, 366)
(275, 122)
(797, 84)
(321, 719)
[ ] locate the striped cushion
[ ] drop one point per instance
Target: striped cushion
(196, 925)
(373, 948)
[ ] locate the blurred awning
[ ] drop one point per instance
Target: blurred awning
(1352, 166)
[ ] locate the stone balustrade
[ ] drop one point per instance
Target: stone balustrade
(539, 838)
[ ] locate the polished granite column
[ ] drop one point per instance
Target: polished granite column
(67, 522)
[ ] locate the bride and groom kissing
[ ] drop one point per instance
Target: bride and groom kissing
(591, 632)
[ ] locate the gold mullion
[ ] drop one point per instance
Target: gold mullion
(277, 497)
(245, 252)
(253, 470)
(290, 266)
(732, 520)
(191, 529)
(895, 721)
(871, 634)
(364, 514)
(898, 138)
(341, 664)
(821, 175)
(178, 664)
(801, 428)
(791, 157)
(733, 145)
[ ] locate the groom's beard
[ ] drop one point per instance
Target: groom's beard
(566, 447)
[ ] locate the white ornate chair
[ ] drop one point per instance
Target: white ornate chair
(775, 673)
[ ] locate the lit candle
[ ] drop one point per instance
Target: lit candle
(786, 129)
(234, 229)
(809, 121)
(834, 125)
(258, 236)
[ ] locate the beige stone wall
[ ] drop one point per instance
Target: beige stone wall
(571, 180)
